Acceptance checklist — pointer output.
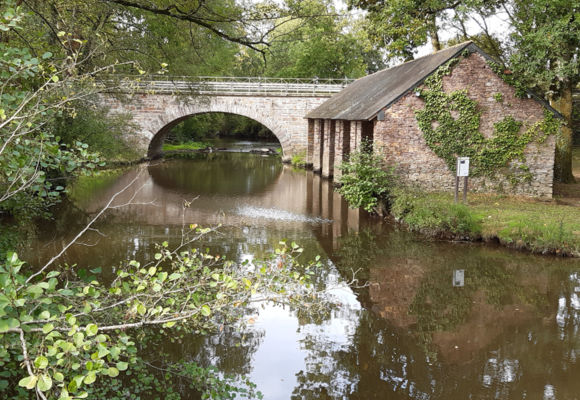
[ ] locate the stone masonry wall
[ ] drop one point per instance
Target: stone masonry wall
(403, 144)
(155, 114)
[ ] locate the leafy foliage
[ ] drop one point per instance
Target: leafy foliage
(210, 125)
(401, 26)
(31, 156)
(450, 124)
(328, 45)
(70, 331)
(365, 180)
(108, 135)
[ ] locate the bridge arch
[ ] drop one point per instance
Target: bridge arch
(172, 115)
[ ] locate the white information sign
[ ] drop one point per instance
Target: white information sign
(462, 166)
(459, 277)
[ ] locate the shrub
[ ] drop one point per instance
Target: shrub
(106, 134)
(299, 159)
(365, 179)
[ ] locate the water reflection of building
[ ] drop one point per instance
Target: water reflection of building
(393, 289)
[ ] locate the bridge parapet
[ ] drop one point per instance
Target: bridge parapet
(233, 86)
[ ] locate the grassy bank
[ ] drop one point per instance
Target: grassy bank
(185, 146)
(541, 227)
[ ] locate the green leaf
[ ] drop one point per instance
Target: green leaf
(122, 366)
(205, 310)
(174, 276)
(47, 328)
(8, 323)
(44, 383)
(29, 382)
(41, 362)
(141, 309)
(91, 329)
(113, 372)
(91, 377)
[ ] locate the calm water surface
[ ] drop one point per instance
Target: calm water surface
(509, 329)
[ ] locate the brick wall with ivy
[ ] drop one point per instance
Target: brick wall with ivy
(466, 109)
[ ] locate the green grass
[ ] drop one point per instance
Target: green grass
(539, 226)
(299, 159)
(435, 214)
(185, 146)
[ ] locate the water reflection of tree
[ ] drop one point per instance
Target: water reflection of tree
(218, 173)
(380, 362)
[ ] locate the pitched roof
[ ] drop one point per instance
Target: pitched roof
(365, 97)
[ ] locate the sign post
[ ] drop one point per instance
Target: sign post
(462, 170)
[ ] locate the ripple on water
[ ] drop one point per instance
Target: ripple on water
(279, 215)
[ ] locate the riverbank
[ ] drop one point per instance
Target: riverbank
(544, 227)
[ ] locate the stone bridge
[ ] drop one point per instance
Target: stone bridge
(278, 104)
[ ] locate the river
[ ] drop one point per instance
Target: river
(428, 320)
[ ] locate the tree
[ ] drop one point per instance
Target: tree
(32, 91)
(330, 46)
(546, 57)
(59, 329)
(401, 26)
(69, 331)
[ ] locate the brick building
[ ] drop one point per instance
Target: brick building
(383, 108)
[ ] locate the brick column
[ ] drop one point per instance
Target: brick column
(346, 141)
(342, 145)
(318, 149)
(355, 135)
(328, 148)
(310, 144)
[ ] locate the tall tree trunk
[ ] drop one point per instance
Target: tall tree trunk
(433, 33)
(563, 161)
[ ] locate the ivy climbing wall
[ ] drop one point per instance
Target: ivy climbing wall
(466, 109)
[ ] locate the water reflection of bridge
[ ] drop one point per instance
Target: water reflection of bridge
(286, 194)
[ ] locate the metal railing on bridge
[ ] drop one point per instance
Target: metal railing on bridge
(225, 85)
